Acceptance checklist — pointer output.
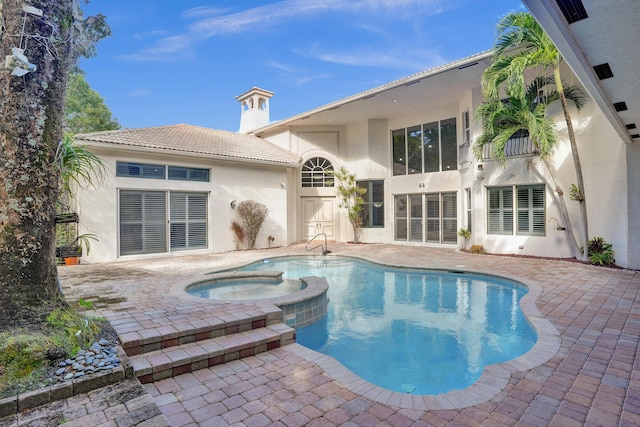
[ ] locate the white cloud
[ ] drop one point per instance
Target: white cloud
(203, 11)
(401, 59)
(211, 21)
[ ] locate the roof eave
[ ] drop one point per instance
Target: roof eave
(374, 91)
(109, 146)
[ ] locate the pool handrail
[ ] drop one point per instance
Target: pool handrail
(325, 247)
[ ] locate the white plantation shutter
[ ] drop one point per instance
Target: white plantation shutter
(188, 221)
(415, 201)
(500, 215)
(531, 210)
(400, 215)
(449, 218)
(433, 218)
(142, 222)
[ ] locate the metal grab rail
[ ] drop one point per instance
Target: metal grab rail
(325, 248)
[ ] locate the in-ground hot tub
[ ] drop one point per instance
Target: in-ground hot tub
(302, 302)
(247, 288)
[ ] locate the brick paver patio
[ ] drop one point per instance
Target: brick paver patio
(592, 378)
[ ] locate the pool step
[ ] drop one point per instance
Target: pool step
(180, 359)
(175, 334)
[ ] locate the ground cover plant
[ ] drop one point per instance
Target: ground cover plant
(28, 355)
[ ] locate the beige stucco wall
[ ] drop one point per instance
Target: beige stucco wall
(98, 208)
(364, 147)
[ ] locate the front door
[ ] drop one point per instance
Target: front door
(318, 216)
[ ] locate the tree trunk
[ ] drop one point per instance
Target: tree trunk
(576, 161)
(573, 244)
(31, 111)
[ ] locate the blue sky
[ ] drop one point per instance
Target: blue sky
(170, 62)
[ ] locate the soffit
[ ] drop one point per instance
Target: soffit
(413, 94)
(610, 34)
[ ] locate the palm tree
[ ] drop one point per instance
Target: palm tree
(521, 44)
(501, 119)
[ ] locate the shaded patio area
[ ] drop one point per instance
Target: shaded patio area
(592, 379)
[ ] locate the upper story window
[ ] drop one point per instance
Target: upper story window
(430, 147)
(140, 170)
(466, 126)
(144, 170)
(317, 172)
(188, 174)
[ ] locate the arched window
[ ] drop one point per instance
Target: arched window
(317, 172)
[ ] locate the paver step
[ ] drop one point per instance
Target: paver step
(176, 360)
(179, 333)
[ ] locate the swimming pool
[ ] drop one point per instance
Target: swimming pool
(412, 331)
(246, 289)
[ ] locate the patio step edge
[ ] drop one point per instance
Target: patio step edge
(149, 340)
(176, 360)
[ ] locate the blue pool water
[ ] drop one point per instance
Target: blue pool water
(412, 331)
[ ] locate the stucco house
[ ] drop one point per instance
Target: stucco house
(409, 144)
(174, 189)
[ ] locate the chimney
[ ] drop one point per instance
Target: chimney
(255, 109)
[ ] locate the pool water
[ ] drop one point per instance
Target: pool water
(412, 331)
(245, 289)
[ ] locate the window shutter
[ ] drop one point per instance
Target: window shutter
(197, 234)
(142, 222)
(400, 214)
(449, 218)
(433, 218)
(416, 218)
(188, 221)
(178, 221)
(524, 213)
(538, 197)
(531, 210)
(500, 215)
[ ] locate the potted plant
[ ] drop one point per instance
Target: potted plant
(72, 251)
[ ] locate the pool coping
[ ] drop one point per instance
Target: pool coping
(494, 377)
(315, 286)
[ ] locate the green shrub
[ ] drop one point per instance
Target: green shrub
(600, 252)
(71, 332)
(477, 249)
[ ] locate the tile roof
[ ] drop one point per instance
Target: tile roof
(183, 138)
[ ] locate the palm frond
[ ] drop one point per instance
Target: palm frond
(78, 166)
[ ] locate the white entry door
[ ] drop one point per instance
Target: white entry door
(318, 216)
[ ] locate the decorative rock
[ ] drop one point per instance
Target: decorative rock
(101, 356)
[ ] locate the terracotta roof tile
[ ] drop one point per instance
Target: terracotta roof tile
(198, 140)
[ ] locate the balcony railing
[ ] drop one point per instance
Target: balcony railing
(518, 146)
